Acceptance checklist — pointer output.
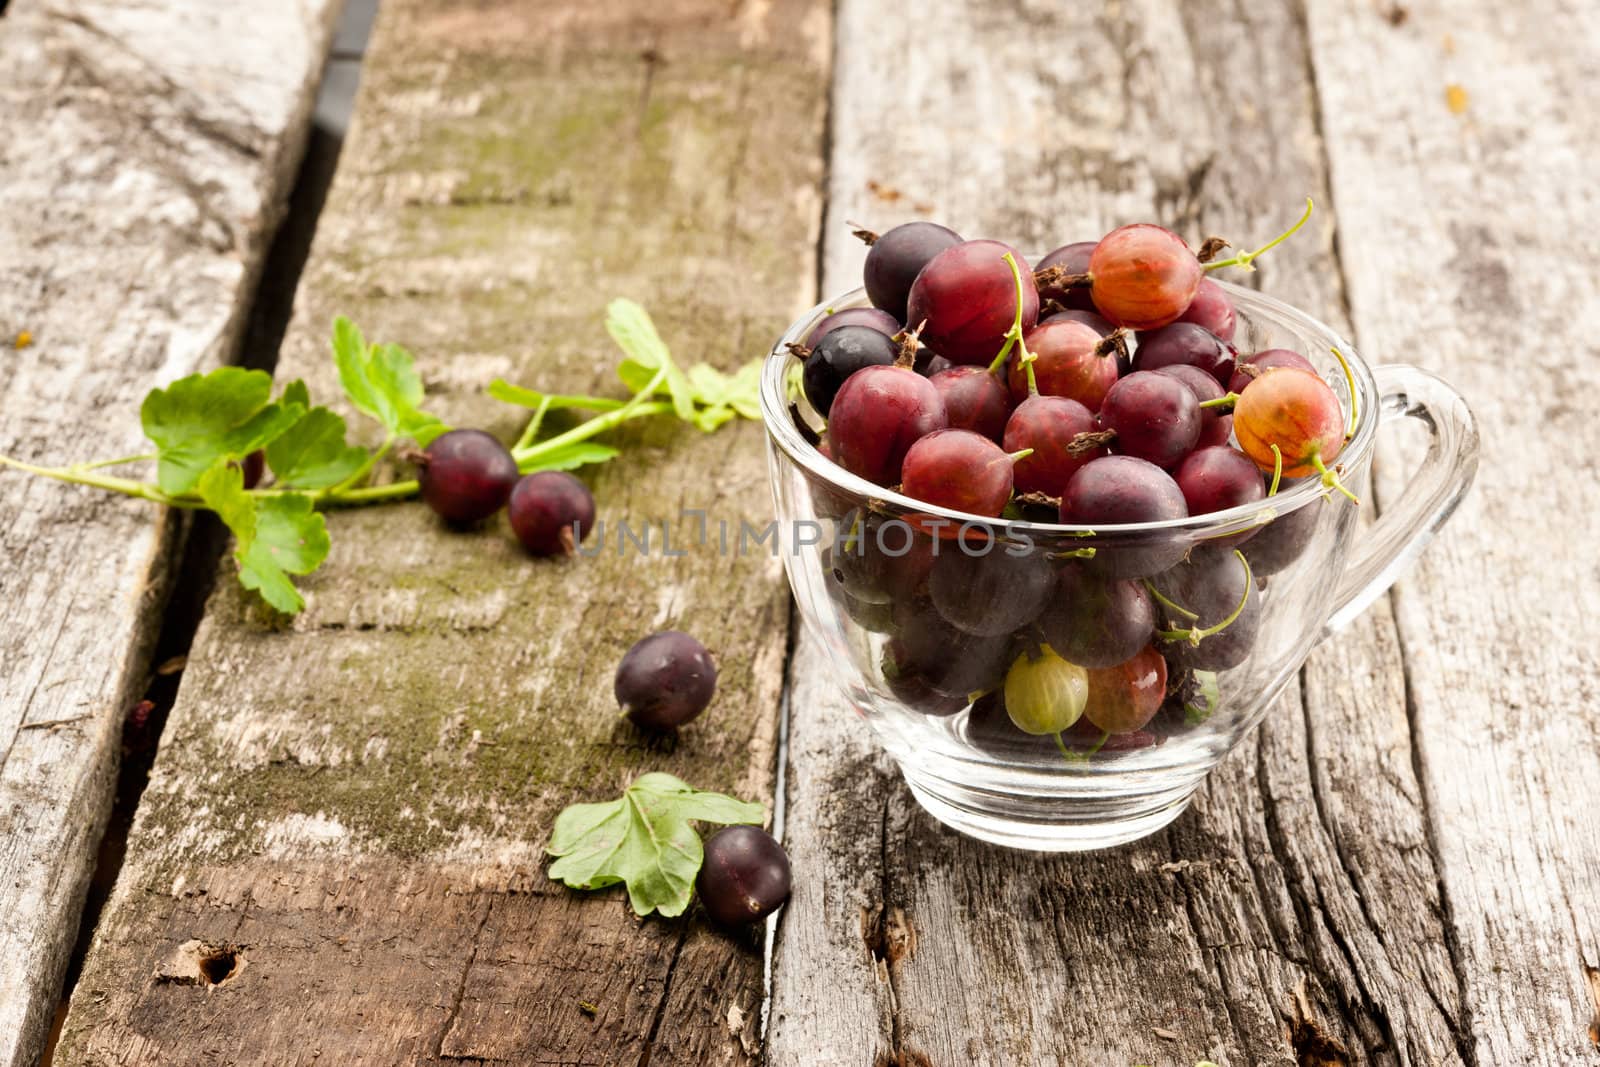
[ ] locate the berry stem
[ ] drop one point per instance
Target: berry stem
(1331, 479)
(532, 431)
(1277, 469)
(1350, 380)
(1168, 603)
(1227, 400)
(1243, 259)
(80, 475)
(360, 474)
(1194, 636)
(121, 460)
(1014, 335)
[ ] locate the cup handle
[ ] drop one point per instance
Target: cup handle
(1394, 542)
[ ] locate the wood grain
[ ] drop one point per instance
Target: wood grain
(1293, 916)
(147, 154)
(356, 804)
(1460, 167)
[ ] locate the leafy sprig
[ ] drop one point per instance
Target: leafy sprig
(205, 426)
(643, 840)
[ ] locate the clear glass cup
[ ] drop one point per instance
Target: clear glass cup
(924, 611)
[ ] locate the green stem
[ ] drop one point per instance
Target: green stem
(639, 407)
(1229, 399)
(1194, 636)
(532, 430)
(1170, 605)
(343, 495)
(1243, 258)
(1331, 479)
(1013, 335)
(1067, 753)
(1350, 379)
(358, 475)
(119, 461)
(1277, 469)
(125, 486)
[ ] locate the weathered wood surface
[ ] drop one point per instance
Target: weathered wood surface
(1468, 205)
(146, 154)
(355, 805)
(1295, 914)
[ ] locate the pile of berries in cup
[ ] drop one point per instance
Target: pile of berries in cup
(1099, 389)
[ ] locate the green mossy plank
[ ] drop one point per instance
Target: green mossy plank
(511, 168)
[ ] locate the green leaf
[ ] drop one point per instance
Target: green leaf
(222, 488)
(711, 386)
(274, 536)
(572, 456)
(644, 840)
(1210, 698)
(313, 453)
(630, 326)
(382, 382)
(532, 398)
(200, 419)
(744, 394)
(291, 538)
(708, 419)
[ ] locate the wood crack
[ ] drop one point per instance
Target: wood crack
(666, 995)
(1461, 1025)
(461, 986)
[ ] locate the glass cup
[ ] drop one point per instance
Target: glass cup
(1173, 637)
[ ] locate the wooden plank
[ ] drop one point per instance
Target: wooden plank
(147, 154)
(1292, 916)
(1462, 173)
(358, 802)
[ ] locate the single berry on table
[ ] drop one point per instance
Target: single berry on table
(550, 512)
(466, 475)
(665, 680)
(745, 876)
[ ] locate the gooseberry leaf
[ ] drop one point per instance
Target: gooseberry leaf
(198, 420)
(631, 327)
(1209, 697)
(313, 454)
(532, 398)
(274, 536)
(382, 382)
(643, 840)
(572, 456)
